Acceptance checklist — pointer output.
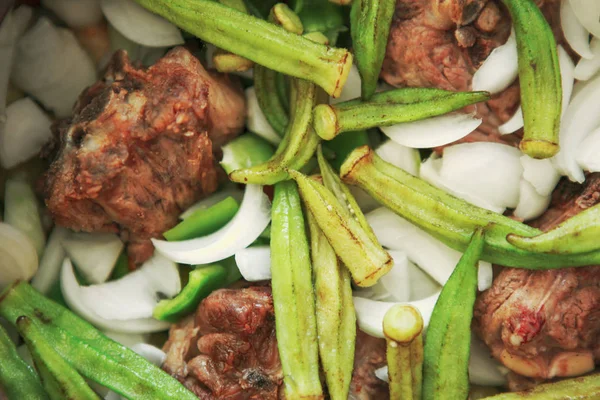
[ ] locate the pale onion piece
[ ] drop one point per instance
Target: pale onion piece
(400, 156)
(352, 88)
(51, 261)
(140, 25)
(44, 67)
(485, 276)
(22, 19)
(365, 201)
(588, 13)
(26, 131)
(483, 368)
(136, 52)
(531, 203)
(586, 68)
(541, 174)
(396, 281)
(7, 47)
(588, 151)
(421, 284)
(500, 69)
(128, 339)
(382, 373)
(254, 263)
(567, 76)
(580, 119)
(257, 122)
(515, 123)
(249, 222)
(212, 200)
(18, 257)
(432, 132)
(74, 298)
(136, 294)
(94, 254)
(76, 13)
(370, 313)
(153, 354)
(490, 171)
(575, 34)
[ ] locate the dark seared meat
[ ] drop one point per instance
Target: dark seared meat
(545, 324)
(228, 350)
(139, 148)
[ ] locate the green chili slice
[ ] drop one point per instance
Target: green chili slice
(581, 388)
(244, 152)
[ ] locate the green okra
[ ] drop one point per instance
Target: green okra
(227, 62)
(90, 352)
(293, 295)
(202, 281)
(370, 22)
(539, 76)
(403, 327)
(580, 388)
(578, 234)
(258, 40)
(448, 218)
(60, 380)
(336, 319)
(448, 344)
(343, 144)
(359, 251)
(18, 379)
(285, 17)
(389, 108)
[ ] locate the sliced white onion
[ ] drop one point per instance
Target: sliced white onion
(365, 201)
(575, 34)
(401, 156)
(432, 132)
(7, 47)
(18, 257)
(213, 199)
(567, 76)
(26, 131)
(128, 339)
(257, 122)
(94, 254)
(588, 151)
(51, 261)
(76, 14)
(140, 25)
(483, 368)
(136, 52)
(395, 286)
(515, 123)
(382, 373)
(74, 298)
(352, 88)
(254, 263)
(485, 276)
(44, 67)
(586, 68)
(421, 284)
(250, 221)
(531, 203)
(500, 69)
(541, 174)
(588, 13)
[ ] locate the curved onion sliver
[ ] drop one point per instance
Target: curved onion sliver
(585, 68)
(352, 88)
(531, 203)
(575, 34)
(588, 151)
(18, 257)
(541, 174)
(51, 261)
(500, 69)
(588, 13)
(254, 263)
(257, 122)
(400, 156)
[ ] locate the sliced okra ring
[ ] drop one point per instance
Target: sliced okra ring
(448, 344)
(448, 218)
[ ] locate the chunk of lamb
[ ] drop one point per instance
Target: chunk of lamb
(546, 324)
(228, 350)
(139, 147)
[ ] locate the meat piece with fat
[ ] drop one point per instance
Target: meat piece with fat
(139, 147)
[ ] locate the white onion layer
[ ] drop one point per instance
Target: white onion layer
(588, 151)
(18, 257)
(352, 88)
(575, 34)
(94, 254)
(541, 174)
(254, 263)
(500, 69)
(587, 68)
(400, 156)
(483, 368)
(250, 221)
(51, 261)
(531, 203)
(257, 122)
(515, 123)
(588, 13)
(76, 14)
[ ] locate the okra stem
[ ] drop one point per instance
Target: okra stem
(258, 40)
(581, 388)
(448, 344)
(450, 219)
(331, 120)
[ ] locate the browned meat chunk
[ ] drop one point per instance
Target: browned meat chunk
(545, 324)
(139, 148)
(228, 350)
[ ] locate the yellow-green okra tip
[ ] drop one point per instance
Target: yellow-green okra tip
(325, 121)
(539, 149)
(402, 323)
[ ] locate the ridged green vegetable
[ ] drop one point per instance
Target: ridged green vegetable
(539, 77)
(448, 344)
(581, 388)
(293, 296)
(225, 61)
(450, 219)
(370, 22)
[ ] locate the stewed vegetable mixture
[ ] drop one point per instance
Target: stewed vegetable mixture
(263, 253)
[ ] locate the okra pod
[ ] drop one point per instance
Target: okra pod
(227, 62)
(336, 319)
(18, 379)
(403, 327)
(370, 22)
(331, 120)
(448, 344)
(450, 219)
(581, 388)
(293, 296)
(258, 40)
(539, 76)
(363, 256)
(60, 380)
(92, 354)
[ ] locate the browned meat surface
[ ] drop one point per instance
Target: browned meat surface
(545, 324)
(228, 350)
(139, 148)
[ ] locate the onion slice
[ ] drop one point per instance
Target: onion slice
(51, 261)
(588, 151)
(140, 25)
(531, 203)
(588, 13)
(575, 34)
(587, 68)
(515, 123)
(432, 132)
(400, 156)
(94, 254)
(483, 368)
(254, 263)
(541, 174)
(76, 14)
(250, 221)
(352, 88)
(18, 257)
(257, 122)
(500, 69)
